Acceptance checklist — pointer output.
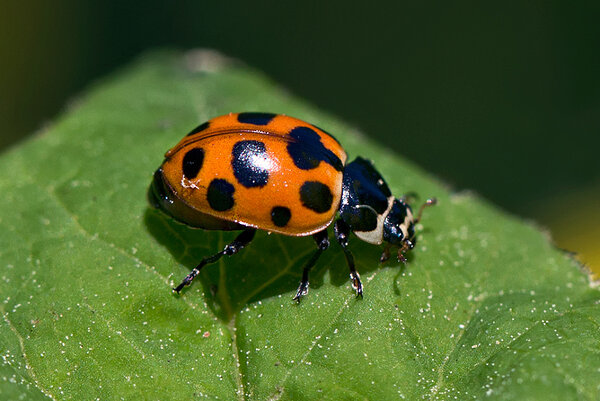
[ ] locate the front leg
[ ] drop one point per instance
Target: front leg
(232, 248)
(322, 240)
(342, 232)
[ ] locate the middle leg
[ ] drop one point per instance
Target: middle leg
(342, 232)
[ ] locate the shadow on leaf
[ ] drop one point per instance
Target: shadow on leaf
(270, 266)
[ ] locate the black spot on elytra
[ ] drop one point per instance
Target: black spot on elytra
(192, 163)
(199, 128)
(328, 133)
(256, 118)
(248, 163)
(280, 215)
(307, 150)
(316, 196)
(220, 195)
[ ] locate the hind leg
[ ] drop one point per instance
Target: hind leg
(230, 249)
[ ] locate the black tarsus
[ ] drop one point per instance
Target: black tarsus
(342, 232)
(243, 239)
(322, 240)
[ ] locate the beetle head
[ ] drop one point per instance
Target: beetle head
(399, 227)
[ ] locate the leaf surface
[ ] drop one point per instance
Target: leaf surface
(485, 307)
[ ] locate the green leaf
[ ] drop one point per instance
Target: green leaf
(485, 307)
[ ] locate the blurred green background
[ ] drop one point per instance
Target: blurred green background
(501, 98)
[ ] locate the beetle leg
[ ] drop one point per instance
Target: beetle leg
(342, 232)
(322, 240)
(385, 255)
(233, 247)
(406, 245)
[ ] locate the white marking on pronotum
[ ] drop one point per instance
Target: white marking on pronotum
(375, 236)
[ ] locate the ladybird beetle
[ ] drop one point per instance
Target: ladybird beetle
(272, 172)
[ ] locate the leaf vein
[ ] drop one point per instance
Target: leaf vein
(28, 366)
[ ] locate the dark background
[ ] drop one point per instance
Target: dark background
(498, 97)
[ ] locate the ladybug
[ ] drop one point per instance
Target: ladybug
(252, 171)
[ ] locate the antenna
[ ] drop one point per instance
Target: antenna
(428, 202)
